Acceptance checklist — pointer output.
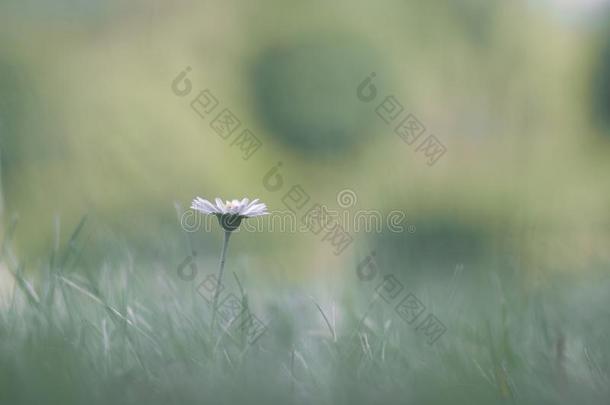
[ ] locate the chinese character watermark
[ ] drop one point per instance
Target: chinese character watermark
(408, 128)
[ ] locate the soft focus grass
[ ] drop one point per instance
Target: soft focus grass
(88, 123)
(137, 333)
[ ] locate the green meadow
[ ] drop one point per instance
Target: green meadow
(438, 222)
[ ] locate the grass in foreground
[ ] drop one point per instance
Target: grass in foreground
(138, 334)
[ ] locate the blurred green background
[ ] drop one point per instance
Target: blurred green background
(517, 91)
(505, 240)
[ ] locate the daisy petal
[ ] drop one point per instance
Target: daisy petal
(243, 208)
(220, 205)
(197, 204)
(255, 210)
(205, 205)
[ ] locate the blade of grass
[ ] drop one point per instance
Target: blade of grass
(330, 327)
(72, 242)
(25, 286)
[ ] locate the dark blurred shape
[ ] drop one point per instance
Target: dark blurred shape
(305, 93)
(476, 18)
(601, 87)
(75, 11)
(12, 105)
(439, 244)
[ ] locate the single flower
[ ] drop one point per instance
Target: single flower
(230, 213)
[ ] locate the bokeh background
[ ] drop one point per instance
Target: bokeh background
(518, 92)
(505, 238)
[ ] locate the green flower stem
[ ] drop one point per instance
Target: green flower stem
(223, 257)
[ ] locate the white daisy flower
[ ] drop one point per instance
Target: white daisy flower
(230, 213)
